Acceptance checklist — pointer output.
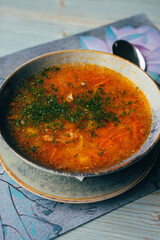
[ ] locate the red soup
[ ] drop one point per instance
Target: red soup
(79, 118)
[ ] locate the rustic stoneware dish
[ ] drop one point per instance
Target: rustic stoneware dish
(40, 179)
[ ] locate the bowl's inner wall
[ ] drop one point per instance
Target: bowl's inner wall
(6, 95)
(129, 70)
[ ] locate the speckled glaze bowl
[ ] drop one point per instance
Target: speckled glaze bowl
(38, 176)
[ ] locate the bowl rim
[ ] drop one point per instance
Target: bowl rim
(98, 172)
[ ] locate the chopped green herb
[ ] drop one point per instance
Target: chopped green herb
(100, 153)
(39, 81)
(44, 74)
(129, 102)
(34, 148)
(76, 155)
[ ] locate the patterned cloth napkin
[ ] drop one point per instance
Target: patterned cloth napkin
(24, 215)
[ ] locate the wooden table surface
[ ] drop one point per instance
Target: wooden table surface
(26, 23)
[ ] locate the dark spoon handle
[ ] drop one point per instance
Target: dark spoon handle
(125, 50)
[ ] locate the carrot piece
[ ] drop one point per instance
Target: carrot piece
(13, 117)
(106, 140)
(92, 154)
(121, 134)
(53, 154)
(100, 83)
(134, 130)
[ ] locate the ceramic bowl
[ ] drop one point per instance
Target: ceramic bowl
(24, 168)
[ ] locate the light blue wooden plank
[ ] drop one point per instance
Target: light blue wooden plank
(88, 8)
(128, 222)
(36, 32)
(28, 23)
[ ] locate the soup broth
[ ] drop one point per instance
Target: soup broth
(79, 118)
